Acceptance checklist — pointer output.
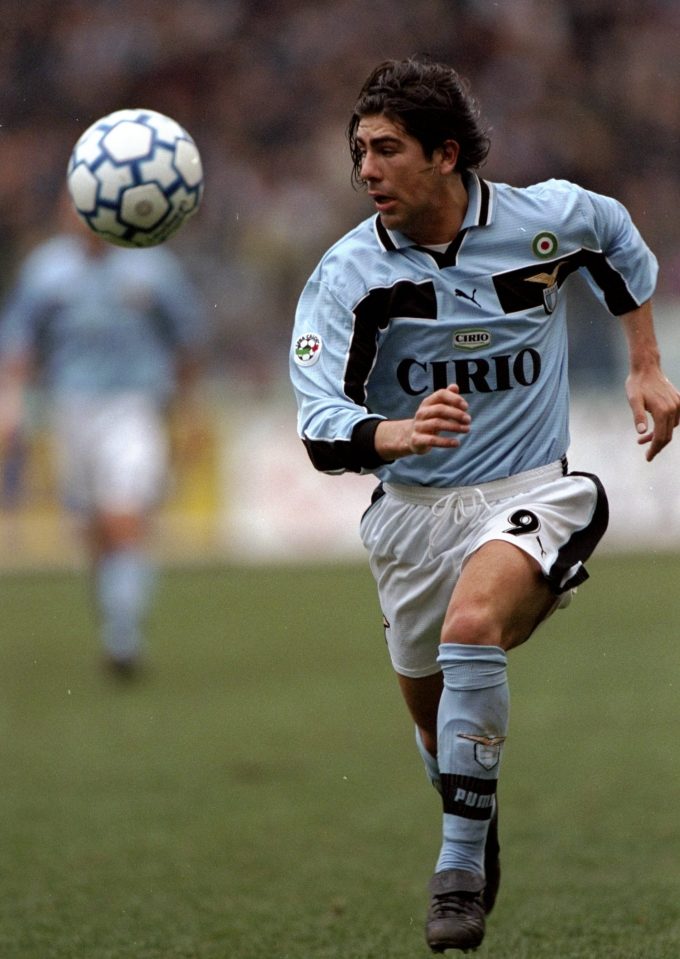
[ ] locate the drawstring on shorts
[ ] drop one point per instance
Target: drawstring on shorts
(457, 507)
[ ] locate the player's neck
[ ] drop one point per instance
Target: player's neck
(444, 221)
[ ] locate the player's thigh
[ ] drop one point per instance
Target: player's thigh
(72, 434)
(414, 583)
(111, 452)
(131, 459)
(499, 599)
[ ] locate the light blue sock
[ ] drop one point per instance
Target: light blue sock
(471, 727)
(431, 764)
(124, 585)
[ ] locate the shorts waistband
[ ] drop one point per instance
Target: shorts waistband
(493, 491)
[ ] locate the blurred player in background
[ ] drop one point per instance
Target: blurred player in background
(430, 349)
(112, 337)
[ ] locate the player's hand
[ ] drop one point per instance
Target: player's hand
(650, 392)
(438, 416)
(444, 412)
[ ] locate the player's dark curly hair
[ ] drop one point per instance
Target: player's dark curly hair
(430, 101)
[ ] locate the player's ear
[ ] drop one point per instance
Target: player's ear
(448, 154)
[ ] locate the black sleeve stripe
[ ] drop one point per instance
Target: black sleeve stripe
(353, 455)
(616, 294)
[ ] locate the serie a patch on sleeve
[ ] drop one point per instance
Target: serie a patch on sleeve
(307, 349)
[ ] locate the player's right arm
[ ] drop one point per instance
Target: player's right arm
(331, 365)
(438, 416)
(334, 422)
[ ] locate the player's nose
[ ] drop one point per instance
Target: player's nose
(369, 170)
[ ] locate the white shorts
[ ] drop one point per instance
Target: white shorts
(418, 539)
(111, 453)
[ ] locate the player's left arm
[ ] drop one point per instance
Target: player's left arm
(650, 393)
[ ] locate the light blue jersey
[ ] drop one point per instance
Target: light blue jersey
(101, 323)
(382, 323)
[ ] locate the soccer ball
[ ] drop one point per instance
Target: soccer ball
(134, 177)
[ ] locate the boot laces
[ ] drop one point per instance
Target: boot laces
(454, 903)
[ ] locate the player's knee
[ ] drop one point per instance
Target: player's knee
(474, 625)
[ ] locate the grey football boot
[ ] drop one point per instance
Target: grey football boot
(456, 917)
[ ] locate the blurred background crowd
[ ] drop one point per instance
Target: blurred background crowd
(583, 89)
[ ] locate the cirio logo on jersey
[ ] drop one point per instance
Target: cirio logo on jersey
(473, 375)
(471, 339)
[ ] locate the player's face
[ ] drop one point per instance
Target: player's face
(408, 189)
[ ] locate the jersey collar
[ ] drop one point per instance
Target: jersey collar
(479, 213)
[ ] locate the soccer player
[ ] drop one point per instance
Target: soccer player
(430, 349)
(112, 336)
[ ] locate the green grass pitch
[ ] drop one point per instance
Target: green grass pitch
(260, 795)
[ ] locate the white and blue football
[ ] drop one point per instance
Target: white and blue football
(135, 177)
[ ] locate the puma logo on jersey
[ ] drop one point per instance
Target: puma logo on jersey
(468, 296)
